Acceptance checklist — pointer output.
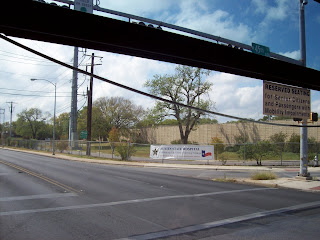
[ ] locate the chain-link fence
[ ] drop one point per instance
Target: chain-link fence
(260, 153)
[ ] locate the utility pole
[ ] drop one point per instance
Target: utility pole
(11, 111)
(74, 109)
(304, 130)
(89, 109)
(2, 129)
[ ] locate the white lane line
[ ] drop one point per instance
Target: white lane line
(131, 180)
(128, 202)
(219, 223)
(39, 196)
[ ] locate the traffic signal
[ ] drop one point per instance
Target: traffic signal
(314, 117)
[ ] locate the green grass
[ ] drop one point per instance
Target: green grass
(224, 179)
(140, 150)
(232, 180)
(263, 176)
(285, 156)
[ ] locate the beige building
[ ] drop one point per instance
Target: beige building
(227, 132)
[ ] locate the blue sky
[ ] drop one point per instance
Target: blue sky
(273, 23)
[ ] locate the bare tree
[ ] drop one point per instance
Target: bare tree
(185, 86)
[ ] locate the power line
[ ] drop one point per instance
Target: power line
(23, 57)
(38, 64)
(21, 90)
(141, 92)
(28, 95)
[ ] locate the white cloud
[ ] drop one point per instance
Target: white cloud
(236, 96)
(261, 6)
(294, 54)
(137, 7)
(219, 22)
(19, 66)
(129, 71)
(280, 11)
(315, 106)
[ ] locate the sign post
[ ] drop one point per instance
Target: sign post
(292, 102)
(286, 101)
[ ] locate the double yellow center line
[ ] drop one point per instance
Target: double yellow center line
(44, 178)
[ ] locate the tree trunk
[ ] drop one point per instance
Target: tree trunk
(184, 140)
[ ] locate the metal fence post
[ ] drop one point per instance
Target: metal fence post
(128, 151)
(99, 147)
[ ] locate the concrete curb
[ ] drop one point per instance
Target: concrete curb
(289, 183)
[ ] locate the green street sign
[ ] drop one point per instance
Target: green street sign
(261, 50)
(83, 135)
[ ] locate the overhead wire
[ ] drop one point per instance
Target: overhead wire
(23, 57)
(48, 65)
(144, 93)
(22, 90)
(29, 95)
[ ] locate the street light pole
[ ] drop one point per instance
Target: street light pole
(54, 112)
(304, 131)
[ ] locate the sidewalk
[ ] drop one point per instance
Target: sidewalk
(292, 183)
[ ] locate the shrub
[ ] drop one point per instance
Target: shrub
(256, 151)
(125, 150)
(179, 142)
(293, 144)
(278, 140)
(263, 176)
(62, 145)
(114, 136)
(218, 146)
(223, 159)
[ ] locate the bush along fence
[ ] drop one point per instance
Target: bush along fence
(259, 153)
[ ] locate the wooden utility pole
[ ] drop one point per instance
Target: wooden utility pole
(89, 109)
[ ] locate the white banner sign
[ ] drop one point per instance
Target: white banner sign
(84, 5)
(182, 152)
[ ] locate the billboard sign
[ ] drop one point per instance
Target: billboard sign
(182, 152)
(286, 101)
(84, 6)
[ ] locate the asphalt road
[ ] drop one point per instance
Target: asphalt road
(48, 198)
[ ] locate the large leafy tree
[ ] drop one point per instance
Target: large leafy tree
(100, 126)
(32, 124)
(278, 140)
(188, 86)
(119, 112)
(62, 126)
